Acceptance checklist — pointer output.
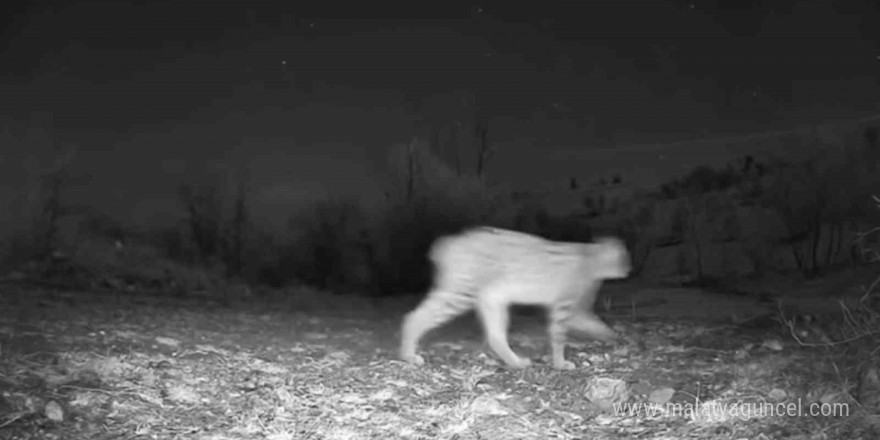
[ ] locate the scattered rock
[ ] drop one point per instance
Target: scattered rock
(54, 412)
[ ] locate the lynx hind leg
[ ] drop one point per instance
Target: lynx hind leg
(494, 315)
(438, 307)
(557, 329)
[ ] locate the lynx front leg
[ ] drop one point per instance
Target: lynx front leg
(494, 314)
(561, 320)
(557, 330)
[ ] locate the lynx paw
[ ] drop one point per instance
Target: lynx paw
(413, 359)
(519, 363)
(564, 365)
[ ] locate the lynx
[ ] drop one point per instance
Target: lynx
(490, 269)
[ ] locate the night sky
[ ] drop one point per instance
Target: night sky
(307, 98)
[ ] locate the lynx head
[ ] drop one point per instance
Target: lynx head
(612, 258)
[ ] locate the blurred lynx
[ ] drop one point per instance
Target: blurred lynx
(490, 269)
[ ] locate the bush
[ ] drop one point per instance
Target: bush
(636, 230)
(560, 228)
(339, 248)
(328, 234)
(402, 240)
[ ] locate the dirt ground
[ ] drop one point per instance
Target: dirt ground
(301, 364)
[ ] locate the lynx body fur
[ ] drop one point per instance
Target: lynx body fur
(490, 269)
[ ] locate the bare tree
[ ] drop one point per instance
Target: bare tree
(484, 148)
(459, 131)
(688, 220)
(637, 221)
(804, 199)
(204, 207)
(415, 170)
(55, 206)
(412, 170)
(238, 229)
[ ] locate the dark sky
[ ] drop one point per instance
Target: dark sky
(305, 96)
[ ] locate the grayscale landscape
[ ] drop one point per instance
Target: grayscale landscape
(217, 216)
